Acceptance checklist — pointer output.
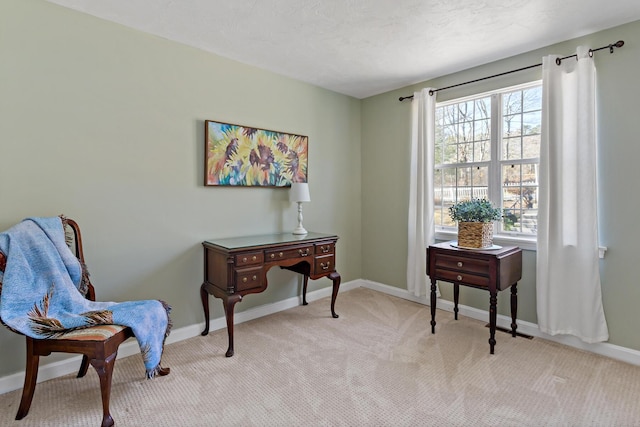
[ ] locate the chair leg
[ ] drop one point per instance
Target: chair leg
(30, 379)
(84, 366)
(104, 368)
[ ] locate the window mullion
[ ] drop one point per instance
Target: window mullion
(495, 188)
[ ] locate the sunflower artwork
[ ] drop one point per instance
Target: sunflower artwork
(249, 157)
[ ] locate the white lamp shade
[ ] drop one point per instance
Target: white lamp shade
(299, 192)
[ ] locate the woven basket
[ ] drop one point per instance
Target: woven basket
(475, 234)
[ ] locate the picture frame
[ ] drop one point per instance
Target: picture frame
(244, 156)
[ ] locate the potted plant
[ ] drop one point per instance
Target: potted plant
(475, 219)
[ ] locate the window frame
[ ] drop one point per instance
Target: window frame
(496, 163)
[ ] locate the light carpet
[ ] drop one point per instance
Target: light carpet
(376, 365)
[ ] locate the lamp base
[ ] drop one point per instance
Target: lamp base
(299, 230)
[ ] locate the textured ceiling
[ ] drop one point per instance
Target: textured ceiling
(364, 47)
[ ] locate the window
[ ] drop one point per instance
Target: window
(488, 146)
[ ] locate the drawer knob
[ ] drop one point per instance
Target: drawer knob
(254, 277)
(280, 254)
(459, 277)
(273, 256)
(325, 266)
(254, 258)
(244, 280)
(325, 249)
(244, 259)
(459, 263)
(303, 253)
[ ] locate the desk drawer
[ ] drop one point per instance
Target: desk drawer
(297, 252)
(325, 248)
(324, 264)
(248, 278)
(463, 265)
(461, 277)
(249, 258)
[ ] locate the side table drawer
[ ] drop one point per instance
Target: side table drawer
(324, 264)
(324, 248)
(297, 252)
(462, 264)
(462, 277)
(248, 278)
(250, 258)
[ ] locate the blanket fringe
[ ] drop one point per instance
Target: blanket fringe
(158, 371)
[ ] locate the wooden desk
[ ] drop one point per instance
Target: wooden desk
(238, 266)
(493, 270)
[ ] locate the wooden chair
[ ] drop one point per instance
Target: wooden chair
(97, 344)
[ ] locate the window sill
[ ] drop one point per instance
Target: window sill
(523, 243)
(527, 244)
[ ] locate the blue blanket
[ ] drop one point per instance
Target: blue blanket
(39, 296)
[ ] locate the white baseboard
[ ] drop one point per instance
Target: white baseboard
(52, 370)
(71, 365)
(604, 349)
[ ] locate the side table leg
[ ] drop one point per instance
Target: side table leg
(336, 286)
(229, 304)
(456, 297)
(204, 296)
(433, 306)
(493, 302)
(514, 308)
(304, 289)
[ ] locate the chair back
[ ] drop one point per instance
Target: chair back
(74, 241)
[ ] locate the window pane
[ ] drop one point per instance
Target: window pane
(530, 197)
(520, 198)
(466, 132)
(437, 153)
(481, 178)
(511, 148)
(512, 126)
(450, 114)
(531, 147)
(532, 98)
(464, 179)
(449, 177)
(483, 108)
(465, 153)
(531, 122)
(530, 174)
(529, 221)
(482, 129)
(512, 103)
(482, 151)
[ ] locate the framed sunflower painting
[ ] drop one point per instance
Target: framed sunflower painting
(243, 156)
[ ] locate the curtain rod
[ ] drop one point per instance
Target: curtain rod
(620, 43)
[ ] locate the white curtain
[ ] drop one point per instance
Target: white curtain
(569, 297)
(421, 229)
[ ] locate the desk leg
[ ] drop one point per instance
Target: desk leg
(336, 286)
(433, 306)
(229, 304)
(493, 302)
(514, 308)
(204, 297)
(304, 289)
(456, 297)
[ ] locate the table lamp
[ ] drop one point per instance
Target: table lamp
(299, 193)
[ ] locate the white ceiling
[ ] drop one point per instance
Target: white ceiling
(364, 47)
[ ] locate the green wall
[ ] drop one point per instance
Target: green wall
(385, 185)
(105, 124)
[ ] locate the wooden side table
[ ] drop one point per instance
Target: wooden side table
(492, 270)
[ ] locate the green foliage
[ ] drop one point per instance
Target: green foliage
(475, 210)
